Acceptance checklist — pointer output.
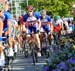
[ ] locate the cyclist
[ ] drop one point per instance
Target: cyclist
(7, 28)
(30, 17)
(8, 23)
(57, 24)
(7, 19)
(14, 32)
(1, 23)
(57, 28)
(65, 26)
(70, 27)
(20, 23)
(46, 24)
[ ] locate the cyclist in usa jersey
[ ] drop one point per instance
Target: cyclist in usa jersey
(46, 25)
(7, 25)
(7, 20)
(30, 17)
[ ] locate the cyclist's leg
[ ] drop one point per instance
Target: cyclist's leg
(41, 34)
(15, 46)
(37, 40)
(2, 39)
(1, 43)
(37, 36)
(29, 33)
(10, 42)
(48, 31)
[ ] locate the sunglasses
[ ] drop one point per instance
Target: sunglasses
(29, 11)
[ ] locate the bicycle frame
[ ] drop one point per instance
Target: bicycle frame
(32, 46)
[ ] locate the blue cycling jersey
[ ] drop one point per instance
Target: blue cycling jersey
(46, 19)
(36, 15)
(44, 22)
(26, 18)
(7, 17)
(3, 17)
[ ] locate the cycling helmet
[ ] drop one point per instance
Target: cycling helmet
(56, 17)
(29, 8)
(43, 12)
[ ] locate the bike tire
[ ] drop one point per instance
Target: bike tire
(34, 53)
(26, 51)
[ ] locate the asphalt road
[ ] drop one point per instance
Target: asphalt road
(26, 64)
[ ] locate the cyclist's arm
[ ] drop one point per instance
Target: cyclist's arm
(9, 26)
(66, 27)
(23, 27)
(24, 23)
(15, 26)
(62, 26)
(39, 24)
(51, 26)
(1, 26)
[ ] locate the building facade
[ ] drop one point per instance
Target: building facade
(16, 7)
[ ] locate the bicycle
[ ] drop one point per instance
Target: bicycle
(46, 42)
(46, 45)
(25, 45)
(30, 46)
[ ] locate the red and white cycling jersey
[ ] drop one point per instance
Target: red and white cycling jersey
(31, 21)
(57, 25)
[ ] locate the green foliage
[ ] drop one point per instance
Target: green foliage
(53, 7)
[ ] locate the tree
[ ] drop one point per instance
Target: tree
(54, 7)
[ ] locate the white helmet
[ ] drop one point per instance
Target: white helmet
(43, 12)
